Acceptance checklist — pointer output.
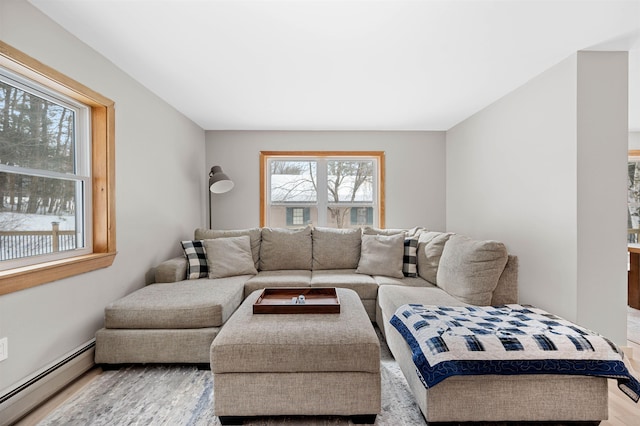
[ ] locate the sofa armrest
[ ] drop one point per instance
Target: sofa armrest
(172, 270)
(507, 290)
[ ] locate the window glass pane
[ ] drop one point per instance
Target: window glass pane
(339, 217)
(281, 216)
(633, 199)
(298, 216)
(333, 189)
(38, 215)
(293, 181)
(350, 181)
(35, 133)
(361, 216)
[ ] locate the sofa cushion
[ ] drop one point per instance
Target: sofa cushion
(285, 249)
(381, 255)
(228, 257)
(335, 248)
(469, 269)
(283, 278)
(196, 256)
(364, 285)
(391, 297)
(430, 246)
(253, 233)
(186, 304)
(403, 282)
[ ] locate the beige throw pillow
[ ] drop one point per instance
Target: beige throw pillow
(469, 269)
(228, 257)
(381, 255)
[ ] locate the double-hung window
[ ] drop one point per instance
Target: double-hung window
(332, 189)
(57, 175)
(45, 174)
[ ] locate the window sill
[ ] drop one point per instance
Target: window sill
(34, 275)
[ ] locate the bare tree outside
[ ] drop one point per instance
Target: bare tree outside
(36, 134)
(346, 178)
(633, 199)
(293, 181)
(348, 182)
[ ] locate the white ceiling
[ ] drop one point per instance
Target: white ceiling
(344, 65)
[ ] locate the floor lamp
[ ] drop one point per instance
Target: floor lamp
(219, 183)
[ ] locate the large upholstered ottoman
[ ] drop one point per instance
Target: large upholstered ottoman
(297, 364)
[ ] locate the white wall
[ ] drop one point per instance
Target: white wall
(159, 159)
(634, 140)
(603, 132)
(415, 171)
(536, 171)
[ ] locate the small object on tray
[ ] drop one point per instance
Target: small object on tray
(305, 300)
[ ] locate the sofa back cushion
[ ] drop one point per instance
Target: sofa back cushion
(430, 247)
(335, 248)
(469, 269)
(253, 233)
(285, 249)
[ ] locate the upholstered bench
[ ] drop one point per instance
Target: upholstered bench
(172, 322)
(297, 364)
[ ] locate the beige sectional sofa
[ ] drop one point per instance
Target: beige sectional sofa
(176, 319)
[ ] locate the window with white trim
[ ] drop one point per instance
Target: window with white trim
(332, 189)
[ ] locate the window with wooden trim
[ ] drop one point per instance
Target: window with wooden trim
(56, 175)
(333, 189)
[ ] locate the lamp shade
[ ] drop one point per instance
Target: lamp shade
(219, 182)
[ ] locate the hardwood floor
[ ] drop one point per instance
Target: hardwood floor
(622, 411)
(58, 399)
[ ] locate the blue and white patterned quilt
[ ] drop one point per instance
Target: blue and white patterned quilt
(508, 339)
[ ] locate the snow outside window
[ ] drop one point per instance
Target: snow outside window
(45, 174)
(338, 191)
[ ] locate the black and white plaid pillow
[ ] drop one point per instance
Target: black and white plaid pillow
(196, 259)
(410, 258)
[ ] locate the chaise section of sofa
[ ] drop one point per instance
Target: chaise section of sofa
(466, 272)
(168, 323)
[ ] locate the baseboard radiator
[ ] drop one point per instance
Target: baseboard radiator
(42, 385)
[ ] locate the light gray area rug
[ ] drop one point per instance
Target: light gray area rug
(633, 325)
(181, 395)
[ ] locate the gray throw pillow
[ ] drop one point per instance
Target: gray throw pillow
(381, 255)
(229, 257)
(469, 269)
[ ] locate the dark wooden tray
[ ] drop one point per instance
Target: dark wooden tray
(318, 300)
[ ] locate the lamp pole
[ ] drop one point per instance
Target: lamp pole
(219, 183)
